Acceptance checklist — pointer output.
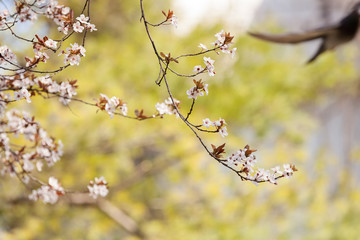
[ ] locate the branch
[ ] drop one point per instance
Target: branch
(222, 43)
(109, 209)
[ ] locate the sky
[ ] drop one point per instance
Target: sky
(239, 13)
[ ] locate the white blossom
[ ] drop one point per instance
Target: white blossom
(98, 188)
(51, 43)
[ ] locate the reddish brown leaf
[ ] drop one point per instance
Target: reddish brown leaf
(248, 151)
(217, 151)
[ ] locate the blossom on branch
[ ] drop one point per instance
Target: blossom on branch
(83, 23)
(170, 17)
(24, 92)
(6, 56)
(25, 146)
(244, 161)
(25, 12)
(97, 188)
(199, 90)
(210, 66)
(110, 105)
(73, 54)
(48, 193)
(224, 41)
(174, 21)
(78, 27)
(39, 57)
(219, 125)
(207, 123)
(198, 68)
(3, 18)
(83, 19)
(67, 91)
(289, 170)
(167, 107)
(51, 43)
(61, 15)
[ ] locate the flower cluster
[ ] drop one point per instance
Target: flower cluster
(23, 160)
(39, 57)
(209, 63)
(51, 43)
(73, 54)
(38, 47)
(224, 40)
(25, 12)
(48, 193)
(63, 17)
(27, 85)
(45, 147)
(66, 91)
(167, 107)
(83, 23)
(209, 66)
(199, 90)
(60, 14)
(244, 160)
(22, 93)
(6, 56)
(25, 146)
(110, 105)
(219, 125)
(3, 18)
(98, 188)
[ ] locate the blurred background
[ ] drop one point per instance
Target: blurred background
(163, 185)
